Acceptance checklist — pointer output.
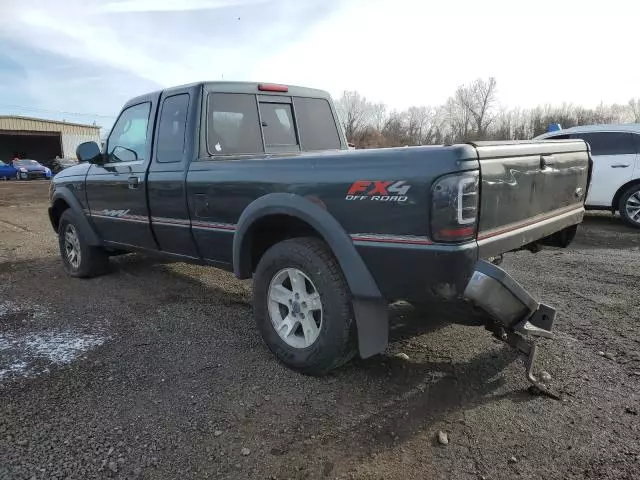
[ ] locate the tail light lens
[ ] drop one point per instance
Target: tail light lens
(454, 208)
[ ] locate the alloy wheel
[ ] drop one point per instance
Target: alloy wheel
(72, 246)
(295, 308)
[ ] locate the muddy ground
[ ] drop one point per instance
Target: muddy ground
(155, 371)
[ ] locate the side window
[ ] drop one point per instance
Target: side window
(171, 129)
(128, 139)
(233, 126)
(317, 127)
(609, 143)
(636, 139)
(277, 127)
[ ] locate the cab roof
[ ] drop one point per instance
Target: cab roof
(254, 88)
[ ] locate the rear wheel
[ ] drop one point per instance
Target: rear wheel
(629, 206)
(78, 257)
(302, 306)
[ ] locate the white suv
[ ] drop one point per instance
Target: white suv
(615, 181)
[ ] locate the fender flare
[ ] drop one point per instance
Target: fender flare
(69, 198)
(370, 308)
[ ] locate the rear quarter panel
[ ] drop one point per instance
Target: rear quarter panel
(229, 186)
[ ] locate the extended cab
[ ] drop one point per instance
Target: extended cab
(258, 179)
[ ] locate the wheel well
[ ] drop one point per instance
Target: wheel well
(620, 192)
(58, 208)
(272, 229)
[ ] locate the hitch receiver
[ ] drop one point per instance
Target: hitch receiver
(514, 315)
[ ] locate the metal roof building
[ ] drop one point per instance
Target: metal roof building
(40, 139)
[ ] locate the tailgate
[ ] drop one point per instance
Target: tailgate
(529, 191)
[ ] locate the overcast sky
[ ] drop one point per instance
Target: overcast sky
(89, 56)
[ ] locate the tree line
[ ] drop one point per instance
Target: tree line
(471, 113)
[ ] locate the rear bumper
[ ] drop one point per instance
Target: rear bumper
(506, 302)
(510, 237)
(33, 175)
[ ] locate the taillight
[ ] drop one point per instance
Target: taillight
(270, 87)
(454, 207)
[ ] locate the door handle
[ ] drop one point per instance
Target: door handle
(133, 183)
(619, 165)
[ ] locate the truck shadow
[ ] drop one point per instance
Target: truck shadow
(603, 230)
(416, 395)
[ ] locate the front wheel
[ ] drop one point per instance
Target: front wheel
(22, 176)
(78, 257)
(302, 306)
(629, 206)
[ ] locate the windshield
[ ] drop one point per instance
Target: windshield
(26, 162)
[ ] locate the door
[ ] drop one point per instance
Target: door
(614, 158)
(116, 189)
(166, 183)
(7, 171)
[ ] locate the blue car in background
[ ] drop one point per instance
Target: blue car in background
(7, 171)
(28, 169)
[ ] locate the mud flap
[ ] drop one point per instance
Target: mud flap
(514, 315)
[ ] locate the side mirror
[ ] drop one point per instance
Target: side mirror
(89, 152)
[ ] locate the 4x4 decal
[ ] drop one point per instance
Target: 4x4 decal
(379, 191)
(113, 213)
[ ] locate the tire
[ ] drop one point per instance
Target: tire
(629, 206)
(91, 261)
(335, 343)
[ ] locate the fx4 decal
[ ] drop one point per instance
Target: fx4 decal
(378, 191)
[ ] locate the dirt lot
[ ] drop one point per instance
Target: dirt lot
(156, 372)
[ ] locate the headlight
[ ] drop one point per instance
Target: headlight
(23, 170)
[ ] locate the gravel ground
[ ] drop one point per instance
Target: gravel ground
(156, 372)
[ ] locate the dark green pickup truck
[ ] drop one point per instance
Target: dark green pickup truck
(258, 179)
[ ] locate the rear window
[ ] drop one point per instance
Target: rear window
(233, 126)
(609, 143)
(277, 127)
(318, 130)
(241, 123)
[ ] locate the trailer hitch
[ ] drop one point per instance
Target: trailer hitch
(529, 348)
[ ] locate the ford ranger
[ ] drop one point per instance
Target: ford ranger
(258, 179)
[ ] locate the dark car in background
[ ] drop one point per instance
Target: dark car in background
(58, 164)
(30, 169)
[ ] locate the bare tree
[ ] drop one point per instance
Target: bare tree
(395, 129)
(355, 113)
(472, 113)
(479, 99)
(634, 108)
(421, 122)
(378, 116)
(458, 120)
